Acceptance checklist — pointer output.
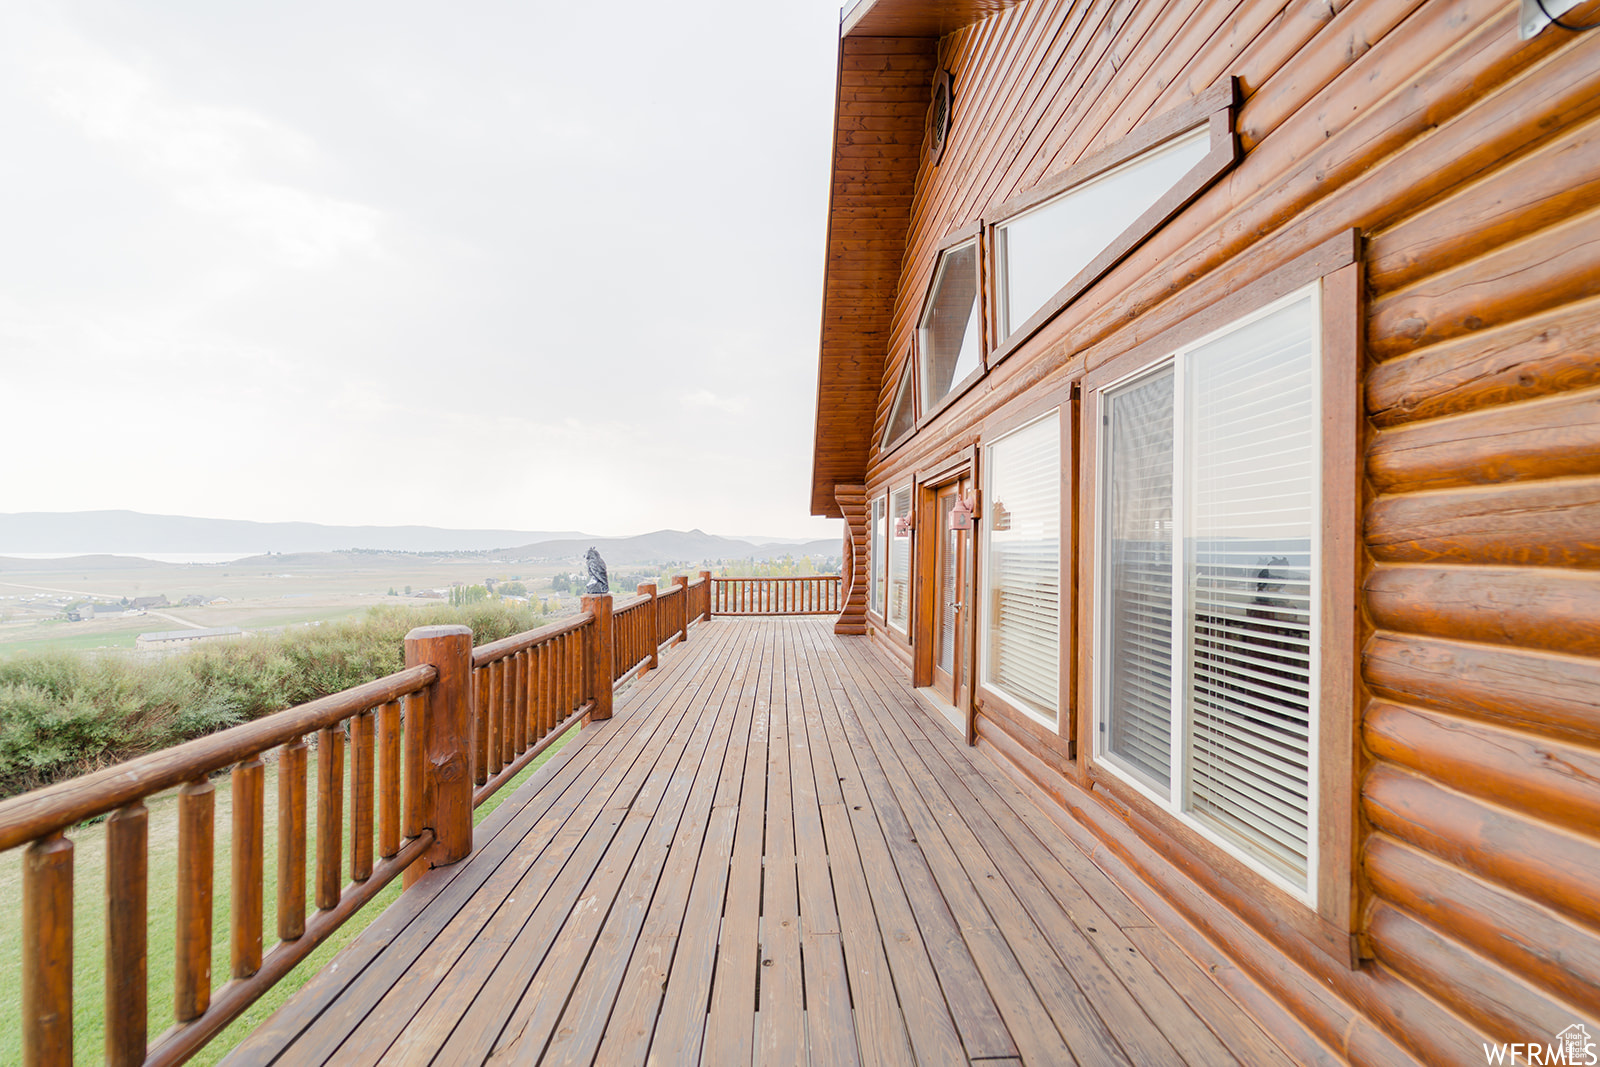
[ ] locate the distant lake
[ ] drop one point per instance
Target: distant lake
(159, 557)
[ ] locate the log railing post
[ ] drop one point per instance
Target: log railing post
(599, 671)
(47, 952)
(446, 741)
(705, 595)
(654, 627)
(682, 582)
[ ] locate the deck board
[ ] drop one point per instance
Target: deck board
(773, 853)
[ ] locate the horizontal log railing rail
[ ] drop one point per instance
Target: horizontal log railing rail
(812, 595)
(426, 745)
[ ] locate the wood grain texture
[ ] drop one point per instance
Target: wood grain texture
(446, 739)
(389, 779)
(749, 859)
(363, 759)
(47, 952)
(1527, 856)
(1550, 438)
(248, 847)
(330, 816)
(1519, 935)
(292, 840)
(1523, 607)
(1558, 695)
(127, 936)
(196, 882)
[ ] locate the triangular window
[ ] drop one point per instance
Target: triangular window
(903, 415)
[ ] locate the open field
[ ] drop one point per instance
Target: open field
(88, 948)
(298, 591)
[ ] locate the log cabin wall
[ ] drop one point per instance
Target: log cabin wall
(1468, 162)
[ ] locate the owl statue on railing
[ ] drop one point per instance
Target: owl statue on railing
(599, 582)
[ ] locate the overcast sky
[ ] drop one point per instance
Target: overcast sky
(520, 265)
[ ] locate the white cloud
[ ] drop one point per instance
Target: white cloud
(208, 158)
(705, 398)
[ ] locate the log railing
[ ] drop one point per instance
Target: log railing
(527, 690)
(411, 754)
(813, 595)
(656, 619)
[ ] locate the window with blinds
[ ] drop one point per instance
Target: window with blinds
(1022, 568)
(899, 592)
(875, 560)
(1210, 514)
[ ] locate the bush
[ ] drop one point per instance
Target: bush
(64, 714)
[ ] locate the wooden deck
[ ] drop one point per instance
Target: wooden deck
(771, 850)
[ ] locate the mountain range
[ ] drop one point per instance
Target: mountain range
(128, 533)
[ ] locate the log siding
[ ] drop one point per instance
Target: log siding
(1466, 161)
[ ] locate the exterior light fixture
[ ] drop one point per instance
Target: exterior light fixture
(902, 526)
(961, 515)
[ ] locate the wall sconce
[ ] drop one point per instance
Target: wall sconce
(902, 526)
(961, 515)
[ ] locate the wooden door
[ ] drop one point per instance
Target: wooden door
(951, 616)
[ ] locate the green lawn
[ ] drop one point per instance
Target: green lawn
(89, 919)
(72, 642)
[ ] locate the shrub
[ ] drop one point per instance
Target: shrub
(63, 714)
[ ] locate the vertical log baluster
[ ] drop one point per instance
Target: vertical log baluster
(537, 704)
(363, 728)
(127, 935)
(47, 952)
(292, 840)
(552, 667)
(479, 684)
(416, 705)
(505, 701)
(389, 779)
(491, 685)
(508, 700)
(524, 663)
(196, 854)
(249, 847)
(330, 816)
(547, 687)
(564, 658)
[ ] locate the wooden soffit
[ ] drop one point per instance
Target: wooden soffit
(881, 104)
(916, 18)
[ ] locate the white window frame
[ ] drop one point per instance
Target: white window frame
(1176, 802)
(986, 574)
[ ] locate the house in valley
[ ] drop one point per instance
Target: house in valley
(1211, 393)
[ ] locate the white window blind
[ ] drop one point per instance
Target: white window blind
(1252, 411)
(1022, 567)
(900, 558)
(1137, 558)
(1221, 447)
(875, 560)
